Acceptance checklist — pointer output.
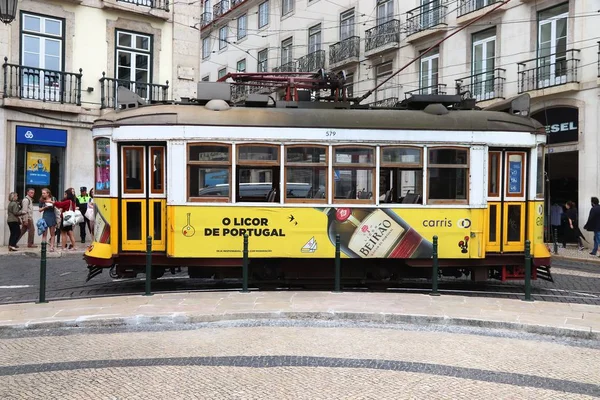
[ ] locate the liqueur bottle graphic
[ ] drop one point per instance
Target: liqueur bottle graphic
(375, 233)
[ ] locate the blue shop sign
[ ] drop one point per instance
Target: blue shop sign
(41, 136)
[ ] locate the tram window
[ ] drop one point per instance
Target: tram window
(401, 175)
(306, 174)
(133, 160)
(354, 170)
(157, 166)
(540, 181)
(209, 172)
(102, 163)
(448, 175)
(258, 173)
(494, 174)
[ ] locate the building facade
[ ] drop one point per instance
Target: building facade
(62, 63)
(547, 48)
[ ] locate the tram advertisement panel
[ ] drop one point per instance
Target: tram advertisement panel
(311, 232)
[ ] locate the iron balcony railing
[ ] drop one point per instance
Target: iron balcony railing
(468, 6)
(389, 102)
(483, 86)
(205, 18)
(220, 8)
(547, 71)
(150, 92)
(344, 50)
(156, 4)
(41, 84)
(379, 36)
(440, 88)
(287, 67)
(312, 62)
(425, 17)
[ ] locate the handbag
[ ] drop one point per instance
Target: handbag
(89, 213)
(69, 218)
(78, 217)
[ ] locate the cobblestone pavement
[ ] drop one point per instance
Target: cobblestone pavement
(295, 360)
(574, 282)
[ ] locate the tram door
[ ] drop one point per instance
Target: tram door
(507, 203)
(143, 196)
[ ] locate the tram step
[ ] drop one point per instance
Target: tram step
(543, 272)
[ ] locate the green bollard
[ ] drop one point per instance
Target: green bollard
(338, 266)
(528, 270)
(42, 298)
(555, 241)
(245, 266)
(434, 274)
(148, 266)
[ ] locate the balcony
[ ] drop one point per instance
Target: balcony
(424, 18)
(45, 85)
(155, 4)
(385, 103)
(344, 52)
(220, 8)
(382, 37)
(205, 19)
(287, 67)
(150, 92)
(468, 6)
(548, 71)
(312, 62)
(484, 86)
(440, 88)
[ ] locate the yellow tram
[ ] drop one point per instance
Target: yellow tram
(198, 177)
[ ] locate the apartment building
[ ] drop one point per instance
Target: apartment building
(547, 48)
(62, 62)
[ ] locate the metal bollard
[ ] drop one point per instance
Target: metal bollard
(338, 266)
(148, 266)
(434, 274)
(555, 241)
(245, 266)
(42, 298)
(528, 270)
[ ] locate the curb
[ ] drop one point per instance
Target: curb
(584, 260)
(381, 318)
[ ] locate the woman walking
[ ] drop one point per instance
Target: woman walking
(48, 215)
(572, 232)
(13, 220)
(68, 204)
(91, 206)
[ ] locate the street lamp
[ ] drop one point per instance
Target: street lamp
(8, 10)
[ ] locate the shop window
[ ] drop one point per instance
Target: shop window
(448, 175)
(354, 170)
(306, 174)
(401, 175)
(209, 172)
(258, 173)
(102, 163)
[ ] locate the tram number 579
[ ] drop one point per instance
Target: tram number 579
(330, 133)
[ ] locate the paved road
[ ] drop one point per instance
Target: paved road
(19, 281)
(295, 360)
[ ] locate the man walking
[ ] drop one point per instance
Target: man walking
(83, 200)
(27, 218)
(593, 224)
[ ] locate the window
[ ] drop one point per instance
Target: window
(222, 38)
(448, 175)
(306, 174)
(206, 50)
(484, 52)
(286, 51)
(382, 72)
(242, 23)
(287, 6)
(263, 14)
(134, 53)
(494, 168)
(258, 173)
(350, 85)
(515, 174)
(102, 163)
(540, 177)
(354, 170)
(385, 11)
(346, 24)
(157, 166)
(314, 39)
(241, 66)
(428, 73)
(133, 171)
(401, 175)
(42, 41)
(222, 72)
(263, 63)
(552, 45)
(430, 13)
(206, 78)
(209, 172)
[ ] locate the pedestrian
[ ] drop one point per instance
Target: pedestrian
(68, 204)
(48, 215)
(556, 212)
(572, 232)
(14, 221)
(593, 224)
(91, 206)
(83, 200)
(27, 218)
(58, 215)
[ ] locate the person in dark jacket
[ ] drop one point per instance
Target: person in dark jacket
(572, 231)
(593, 224)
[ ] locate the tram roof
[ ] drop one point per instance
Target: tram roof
(183, 114)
